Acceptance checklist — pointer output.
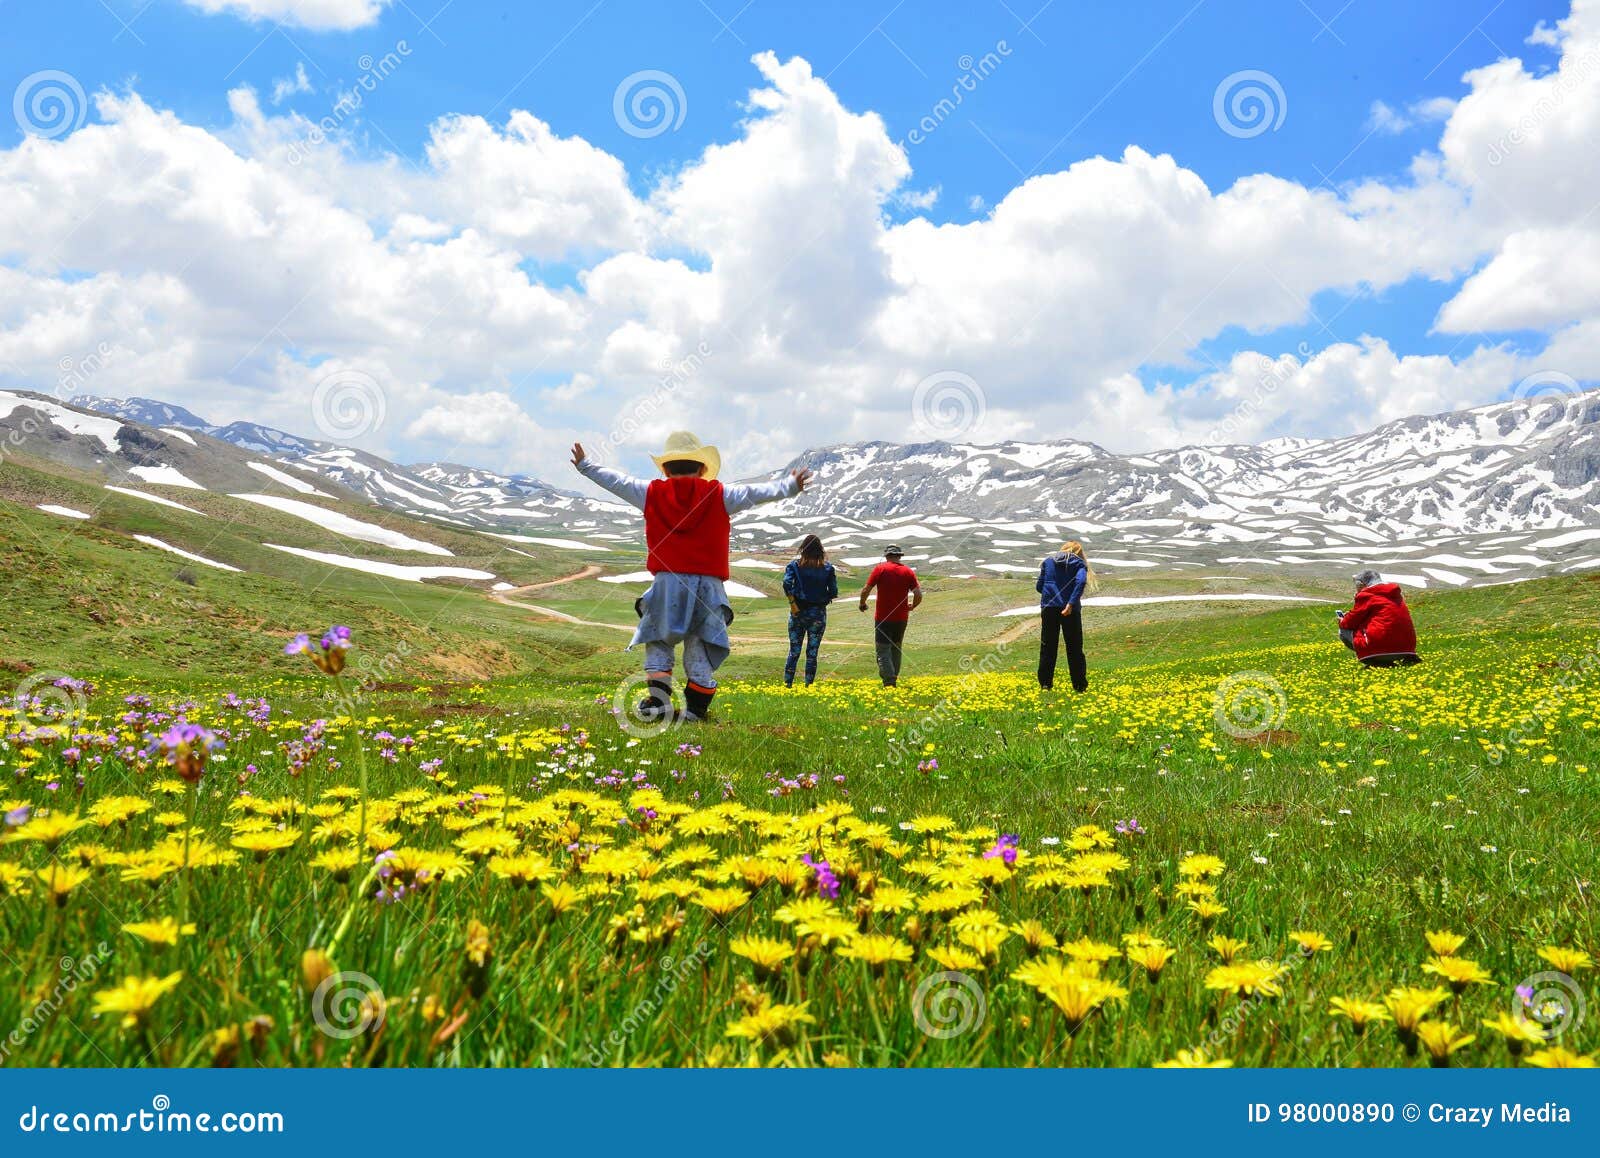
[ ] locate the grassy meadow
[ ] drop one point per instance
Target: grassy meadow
(1236, 848)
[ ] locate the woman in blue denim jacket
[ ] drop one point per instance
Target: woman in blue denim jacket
(1063, 578)
(811, 585)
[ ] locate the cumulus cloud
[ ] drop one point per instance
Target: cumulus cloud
(318, 15)
(287, 86)
(1384, 118)
(1522, 142)
(775, 275)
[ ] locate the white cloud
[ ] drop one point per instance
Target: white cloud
(287, 86)
(1383, 118)
(1523, 144)
(318, 15)
(491, 418)
(530, 189)
(766, 293)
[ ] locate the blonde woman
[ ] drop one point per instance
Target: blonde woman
(1063, 578)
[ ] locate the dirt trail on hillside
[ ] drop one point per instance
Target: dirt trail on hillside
(593, 570)
(588, 572)
(552, 613)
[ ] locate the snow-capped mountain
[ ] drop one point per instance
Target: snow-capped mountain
(1509, 466)
(452, 493)
(1494, 493)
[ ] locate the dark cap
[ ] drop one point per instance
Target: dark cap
(893, 551)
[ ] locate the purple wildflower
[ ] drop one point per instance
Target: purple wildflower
(1005, 848)
(186, 748)
(827, 883)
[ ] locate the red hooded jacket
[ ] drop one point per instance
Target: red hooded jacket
(686, 527)
(1381, 622)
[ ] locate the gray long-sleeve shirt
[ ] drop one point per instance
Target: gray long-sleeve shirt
(736, 497)
(675, 607)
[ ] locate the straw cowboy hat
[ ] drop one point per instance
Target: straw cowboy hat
(685, 447)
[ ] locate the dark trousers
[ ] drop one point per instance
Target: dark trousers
(1053, 628)
(888, 638)
(805, 627)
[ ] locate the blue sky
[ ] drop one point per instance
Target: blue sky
(1082, 79)
(1074, 81)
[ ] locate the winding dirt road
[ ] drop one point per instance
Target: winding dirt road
(590, 572)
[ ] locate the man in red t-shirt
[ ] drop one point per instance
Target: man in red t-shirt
(899, 595)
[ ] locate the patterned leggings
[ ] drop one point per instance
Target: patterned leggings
(808, 626)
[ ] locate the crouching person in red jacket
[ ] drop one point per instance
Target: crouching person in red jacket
(1378, 626)
(686, 532)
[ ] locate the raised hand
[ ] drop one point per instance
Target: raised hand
(801, 477)
(577, 453)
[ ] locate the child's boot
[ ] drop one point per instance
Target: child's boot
(657, 702)
(698, 701)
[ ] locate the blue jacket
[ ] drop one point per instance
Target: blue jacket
(1061, 580)
(814, 585)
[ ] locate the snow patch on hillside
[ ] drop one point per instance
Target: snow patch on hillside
(150, 541)
(166, 476)
(287, 480)
(413, 574)
(133, 494)
(341, 524)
